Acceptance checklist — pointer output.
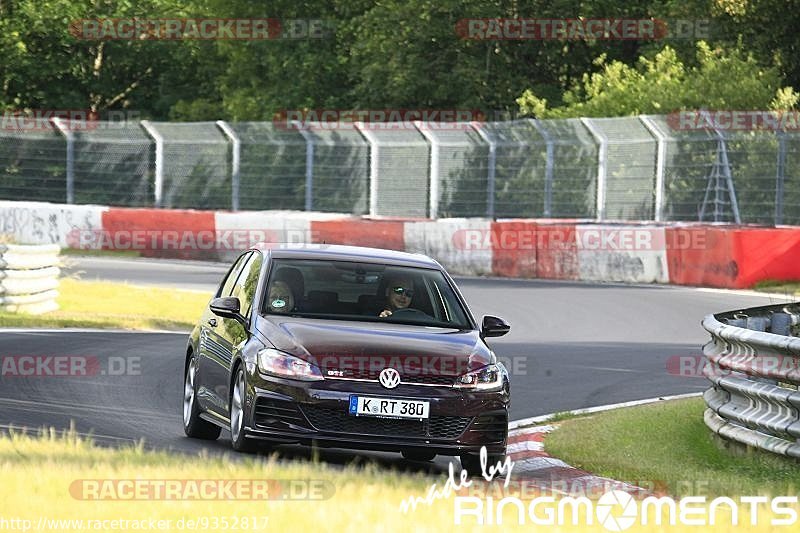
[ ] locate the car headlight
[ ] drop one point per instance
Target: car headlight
(283, 365)
(487, 378)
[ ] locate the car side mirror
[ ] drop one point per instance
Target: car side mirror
(227, 307)
(494, 327)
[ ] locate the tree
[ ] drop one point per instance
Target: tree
(46, 63)
(721, 80)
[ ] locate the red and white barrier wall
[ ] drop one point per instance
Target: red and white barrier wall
(684, 254)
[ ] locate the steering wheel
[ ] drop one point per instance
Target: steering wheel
(410, 312)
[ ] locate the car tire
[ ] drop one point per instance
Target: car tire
(413, 455)
(472, 463)
(239, 442)
(194, 426)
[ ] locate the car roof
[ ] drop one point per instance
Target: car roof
(337, 252)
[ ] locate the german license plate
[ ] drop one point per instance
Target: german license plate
(389, 407)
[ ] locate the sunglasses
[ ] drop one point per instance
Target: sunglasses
(403, 291)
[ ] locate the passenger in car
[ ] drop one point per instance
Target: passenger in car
(280, 299)
(286, 291)
(399, 292)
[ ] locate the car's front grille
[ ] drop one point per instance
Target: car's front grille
(339, 421)
(493, 428)
(269, 412)
(416, 379)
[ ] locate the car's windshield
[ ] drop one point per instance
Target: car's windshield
(363, 292)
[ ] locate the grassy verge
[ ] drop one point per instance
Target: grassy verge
(116, 305)
(88, 252)
(791, 288)
(54, 481)
(668, 445)
(42, 478)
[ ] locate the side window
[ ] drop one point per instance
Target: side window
(245, 287)
(227, 284)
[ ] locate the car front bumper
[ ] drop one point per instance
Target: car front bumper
(317, 412)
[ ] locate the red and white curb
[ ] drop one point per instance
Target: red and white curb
(539, 470)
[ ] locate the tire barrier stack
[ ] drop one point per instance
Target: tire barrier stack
(754, 368)
(29, 278)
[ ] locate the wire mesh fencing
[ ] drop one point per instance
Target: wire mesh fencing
(272, 167)
(630, 168)
(192, 169)
(399, 164)
(340, 169)
(113, 165)
(33, 162)
(626, 179)
(575, 169)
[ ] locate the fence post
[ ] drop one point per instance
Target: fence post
(723, 162)
(69, 136)
(602, 163)
(661, 162)
(780, 177)
(548, 166)
(434, 169)
(236, 154)
(374, 169)
(726, 167)
(492, 171)
(309, 163)
(158, 187)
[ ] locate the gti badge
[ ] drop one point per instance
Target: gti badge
(389, 378)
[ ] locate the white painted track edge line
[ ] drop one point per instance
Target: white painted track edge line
(535, 420)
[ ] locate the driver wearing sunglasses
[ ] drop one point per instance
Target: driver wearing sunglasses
(399, 292)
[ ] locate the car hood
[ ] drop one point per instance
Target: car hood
(359, 348)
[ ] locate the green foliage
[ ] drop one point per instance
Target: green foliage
(397, 54)
(720, 80)
(47, 67)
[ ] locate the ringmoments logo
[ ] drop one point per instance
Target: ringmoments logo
(614, 510)
(618, 510)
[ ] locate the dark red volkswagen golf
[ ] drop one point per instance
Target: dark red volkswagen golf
(346, 347)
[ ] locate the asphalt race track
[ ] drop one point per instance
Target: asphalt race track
(572, 345)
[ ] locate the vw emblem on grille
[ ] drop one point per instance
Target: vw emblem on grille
(389, 378)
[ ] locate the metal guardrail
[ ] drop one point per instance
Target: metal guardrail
(29, 278)
(754, 368)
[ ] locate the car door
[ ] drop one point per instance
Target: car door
(211, 352)
(233, 335)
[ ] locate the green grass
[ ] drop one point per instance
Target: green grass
(81, 252)
(40, 474)
(668, 445)
(96, 304)
(561, 416)
(791, 288)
